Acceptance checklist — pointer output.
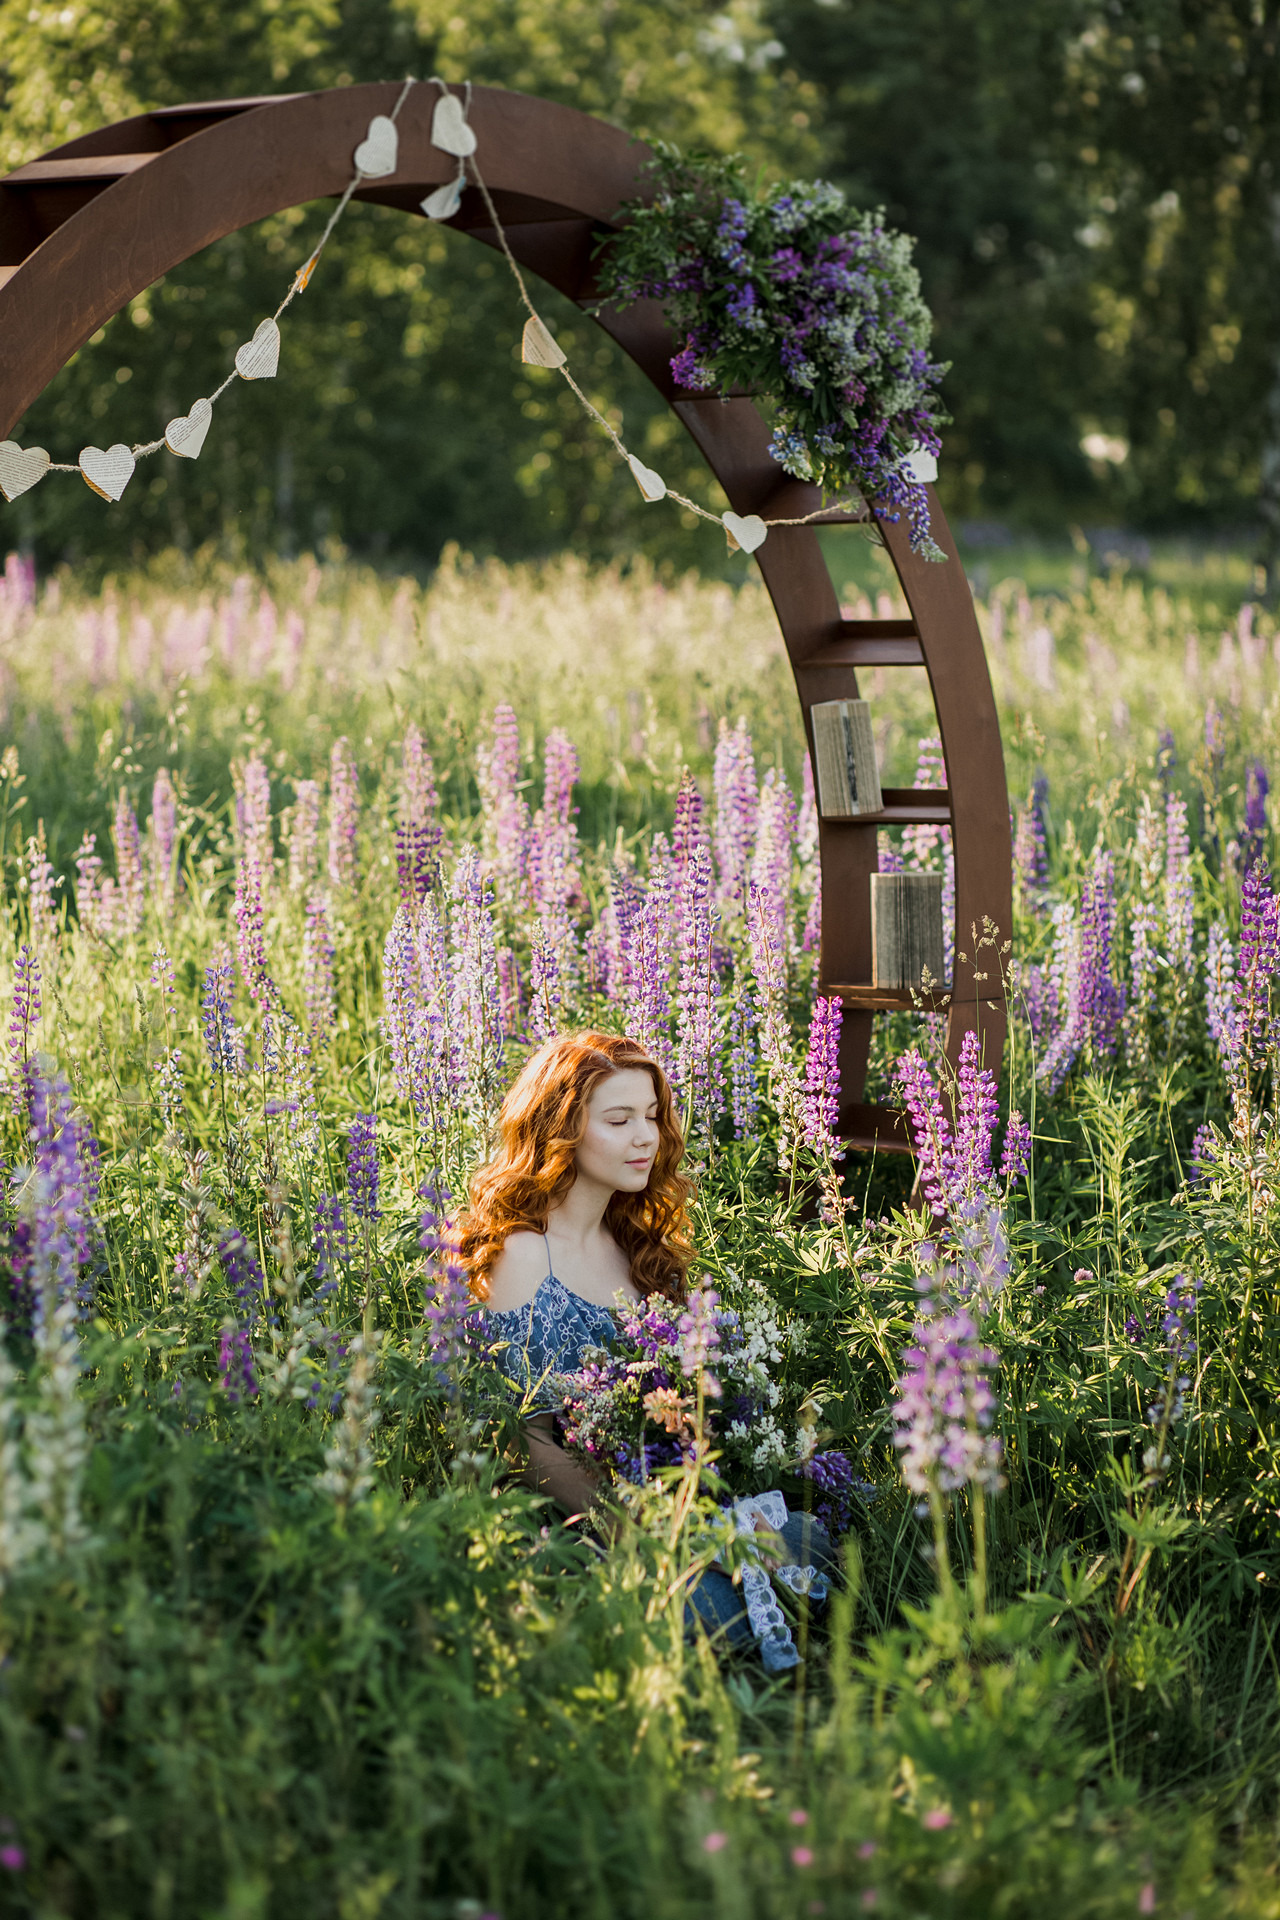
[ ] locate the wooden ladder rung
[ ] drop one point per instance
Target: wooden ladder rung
(902, 807)
(863, 998)
(881, 1127)
(867, 643)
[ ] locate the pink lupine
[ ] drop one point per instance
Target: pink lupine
(737, 806)
(418, 833)
(162, 842)
(504, 812)
(302, 835)
(129, 875)
(344, 815)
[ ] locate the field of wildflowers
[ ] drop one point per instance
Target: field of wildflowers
(294, 871)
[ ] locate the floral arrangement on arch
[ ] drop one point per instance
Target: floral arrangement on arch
(810, 306)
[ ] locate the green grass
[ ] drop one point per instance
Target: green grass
(240, 1695)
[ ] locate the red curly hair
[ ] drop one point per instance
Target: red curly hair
(541, 1125)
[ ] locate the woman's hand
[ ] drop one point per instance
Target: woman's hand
(576, 1488)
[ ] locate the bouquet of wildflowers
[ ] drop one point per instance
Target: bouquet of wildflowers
(679, 1379)
(804, 302)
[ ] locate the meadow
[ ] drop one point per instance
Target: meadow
(296, 867)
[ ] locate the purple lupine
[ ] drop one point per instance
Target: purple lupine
(167, 1069)
(689, 832)
(1016, 1158)
(1220, 988)
(836, 1487)
(1204, 1152)
(222, 1036)
(302, 835)
(698, 1074)
(24, 1017)
(55, 1197)
(1253, 840)
(162, 843)
(504, 812)
(333, 1243)
(744, 1058)
(775, 832)
(249, 911)
(945, 1404)
(1101, 999)
(1166, 755)
(42, 884)
(362, 1167)
(511, 991)
(130, 879)
(95, 898)
(418, 831)
(1256, 966)
(546, 995)
(243, 1273)
(253, 821)
(1031, 850)
(344, 815)
(449, 1309)
(977, 1111)
(236, 1364)
(401, 993)
(700, 1337)
(1067, 1036)
(821, 1109)
(736, 813)
(930, 1128)
(1181, 1305)
(809, 855)
(1179, 889)
(769, 966)
(318, 988)
(475, 1010)
(1215, 741)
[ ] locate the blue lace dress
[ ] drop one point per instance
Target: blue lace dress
(551, 1335)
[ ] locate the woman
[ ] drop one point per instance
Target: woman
(585, 1201)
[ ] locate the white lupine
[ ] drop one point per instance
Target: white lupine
(21, 1534)
(348, 1471)
(57, 1443)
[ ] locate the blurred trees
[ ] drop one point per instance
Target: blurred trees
(1095, 188)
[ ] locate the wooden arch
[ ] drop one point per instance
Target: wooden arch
(95, 222)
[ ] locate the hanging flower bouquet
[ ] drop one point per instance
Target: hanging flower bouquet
(813, 307)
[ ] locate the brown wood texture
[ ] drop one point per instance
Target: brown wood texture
(85, 228)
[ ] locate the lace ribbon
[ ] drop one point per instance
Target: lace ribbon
(766, 1618)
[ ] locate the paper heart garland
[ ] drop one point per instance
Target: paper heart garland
(747, 531)
(376, 154)
(651, 484)
(20, 468)
(921, 465)
(449, 129)
(538, 347)
(186, 434)
(258, 358)
(108, 473)
(444, 202)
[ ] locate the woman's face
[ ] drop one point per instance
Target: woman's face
(621, 1138)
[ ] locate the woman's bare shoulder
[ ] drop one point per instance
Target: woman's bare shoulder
(518, 1272)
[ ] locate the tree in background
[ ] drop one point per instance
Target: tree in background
(402, 417)
(1096, 195)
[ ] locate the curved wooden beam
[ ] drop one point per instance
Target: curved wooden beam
(95, 222)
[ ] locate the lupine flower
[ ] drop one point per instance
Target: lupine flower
(344, 815)
(41, 884)
(821, 1110)
(475, 1011)
(769, 965)
(167, 1068)
(362, 1167)
(1245, 1035)
(505, 815)
(317, 966)
(221, 1034)
(253, 820)
(700, 1337)
(736, 811)
(697, 1068)
(770, 868)
(1204, 1152)
(302, 835)
(162, 843)
(1220, 989)
(95, 897)
(1064, 999)
(1101, 999)
(236, 1364)
(945, 1404)
(333, 1244)
(744, 1092)
(1253, 841)
(57, 1443)
(836, 1488)
(553, 872)
(1030, 848)
(449, 1310)
(1181, 1305)
(1179, 889)
(954, 1164)
(243, 1273)
(23, 1021)
(130, 880)
(510, 992)
(55, 1198)
(418, 831)
(546, 995)
(348, 1470)
(249, 912)
(1016, 1157)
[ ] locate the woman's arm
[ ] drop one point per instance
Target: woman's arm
(574, 1486)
